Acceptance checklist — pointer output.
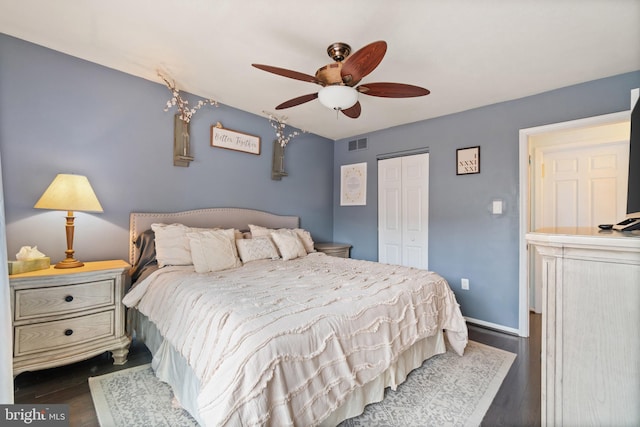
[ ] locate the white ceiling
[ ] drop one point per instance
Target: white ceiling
(469, 53)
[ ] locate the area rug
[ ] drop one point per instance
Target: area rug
(447, 390)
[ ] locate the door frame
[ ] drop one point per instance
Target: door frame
(526, 198)
(6, 328)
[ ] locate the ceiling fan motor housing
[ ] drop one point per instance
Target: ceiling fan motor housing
(330, 74)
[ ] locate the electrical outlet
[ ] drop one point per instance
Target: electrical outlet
(465, 284)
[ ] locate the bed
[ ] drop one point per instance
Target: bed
(292, 338)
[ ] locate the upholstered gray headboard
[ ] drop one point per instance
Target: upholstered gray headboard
(206, 218)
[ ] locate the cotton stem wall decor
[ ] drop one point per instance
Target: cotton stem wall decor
(182, 137)
(278, 123)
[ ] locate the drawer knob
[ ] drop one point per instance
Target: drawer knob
(68, 298)
(68, 332)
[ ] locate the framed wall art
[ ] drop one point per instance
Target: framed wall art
(467, 160)
(234, 140)
(353, 184)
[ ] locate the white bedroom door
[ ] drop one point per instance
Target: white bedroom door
(403, 211)
(584, 186)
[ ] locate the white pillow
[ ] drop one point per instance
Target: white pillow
(259, 231)
(288, 243)
(172, 245)
(306, 239)
(213, 250)
(258, 248)
(304, 235)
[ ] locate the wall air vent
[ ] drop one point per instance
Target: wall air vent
(358, 144)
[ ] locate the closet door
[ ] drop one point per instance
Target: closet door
(390, 211)
(403, 210)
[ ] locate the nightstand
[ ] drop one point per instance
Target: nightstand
(62, 316)
(340, 250)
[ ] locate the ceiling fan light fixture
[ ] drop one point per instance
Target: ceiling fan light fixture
(338, 97)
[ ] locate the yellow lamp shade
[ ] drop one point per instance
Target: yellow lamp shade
(69, 193)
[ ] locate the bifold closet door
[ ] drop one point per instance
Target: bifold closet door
(403, 210)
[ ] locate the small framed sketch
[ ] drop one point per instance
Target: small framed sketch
(353, 184)
(467, 160)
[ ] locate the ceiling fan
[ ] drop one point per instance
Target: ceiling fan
(339, 79)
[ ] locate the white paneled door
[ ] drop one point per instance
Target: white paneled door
(403, 210)
(583, 186)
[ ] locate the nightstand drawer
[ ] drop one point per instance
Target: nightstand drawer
(58, 300)
(61, 333)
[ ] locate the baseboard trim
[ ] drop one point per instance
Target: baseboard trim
(501, 328)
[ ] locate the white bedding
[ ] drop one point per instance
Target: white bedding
(285, 342)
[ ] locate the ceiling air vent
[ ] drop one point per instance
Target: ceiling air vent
(358, 144)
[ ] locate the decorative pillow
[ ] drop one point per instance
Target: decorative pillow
(237, 234)
(146, 255)
(172, 245)
(288, 243)
(213, 250)
(258, 248)
(306, 239)
(259, 231)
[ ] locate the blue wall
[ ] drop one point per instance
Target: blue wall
(465, 240)
(60, 114)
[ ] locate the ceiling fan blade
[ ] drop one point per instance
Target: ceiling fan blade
(297, 101)
(362, 62)
(353, 112)
(287, 73)
(392, 90)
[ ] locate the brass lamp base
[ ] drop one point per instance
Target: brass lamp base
(69, 263)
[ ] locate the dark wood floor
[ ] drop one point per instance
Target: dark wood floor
(518, 400)
(516, 404)
(68, 384)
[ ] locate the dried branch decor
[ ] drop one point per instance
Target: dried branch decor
(185, 112)
(279, 124)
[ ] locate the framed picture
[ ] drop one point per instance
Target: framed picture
(467, 160)
(353, 184)
(234, 140)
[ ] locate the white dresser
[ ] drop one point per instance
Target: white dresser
(62, 316)
(590, 326)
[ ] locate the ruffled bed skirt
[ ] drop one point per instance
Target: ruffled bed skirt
(170, 367)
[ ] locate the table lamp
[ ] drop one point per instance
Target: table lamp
(69, 193)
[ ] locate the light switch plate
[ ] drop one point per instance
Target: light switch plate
(496, 207)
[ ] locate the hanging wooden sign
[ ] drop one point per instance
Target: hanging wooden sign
(234, 140)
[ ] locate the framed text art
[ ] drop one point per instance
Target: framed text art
(467, 160)
(353, 184)
(234, 140)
